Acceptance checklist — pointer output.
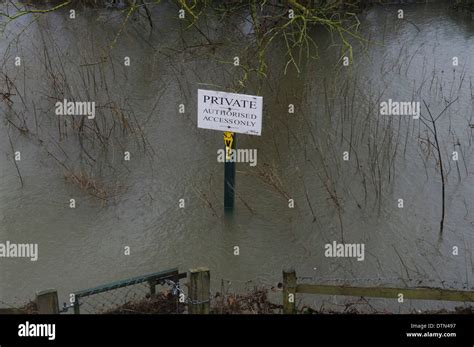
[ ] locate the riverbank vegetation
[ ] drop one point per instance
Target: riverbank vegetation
(253, 301)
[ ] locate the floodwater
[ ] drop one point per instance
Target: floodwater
(300, 155)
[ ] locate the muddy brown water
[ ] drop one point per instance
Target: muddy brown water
(299, 155)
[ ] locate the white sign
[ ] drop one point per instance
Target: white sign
(238, 113)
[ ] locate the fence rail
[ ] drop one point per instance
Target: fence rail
(291, 287)
(152, 280)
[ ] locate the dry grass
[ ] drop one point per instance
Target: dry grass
(162, 303)
(29, 308)
(254, 302)
(87, 184)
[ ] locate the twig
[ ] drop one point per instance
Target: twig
(14, 161)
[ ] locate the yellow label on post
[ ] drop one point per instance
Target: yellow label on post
(228, 140)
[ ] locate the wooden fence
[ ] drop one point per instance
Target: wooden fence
(291, 287)
(198, 299)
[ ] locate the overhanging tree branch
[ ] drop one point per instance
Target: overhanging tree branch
(25, 12)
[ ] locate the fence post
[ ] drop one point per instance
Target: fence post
(229, 172)
(152, 285)
(77, 310)
(47, 302)
(289, 291)
(199, 291)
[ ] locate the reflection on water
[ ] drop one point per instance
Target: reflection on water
(300, 155)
